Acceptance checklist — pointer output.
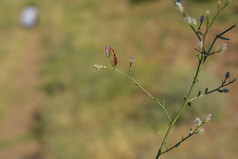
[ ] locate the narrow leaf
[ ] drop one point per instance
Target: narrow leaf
(162, 129)
(199, 93)
(198, 57)
(206, 90)
(223, 38)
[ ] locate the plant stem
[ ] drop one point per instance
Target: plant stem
(199, 68)
(183, 139)
(136, 83)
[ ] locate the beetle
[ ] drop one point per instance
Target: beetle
(114, 56)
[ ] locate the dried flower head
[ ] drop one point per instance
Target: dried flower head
(200, 45)
(98, 67)
(200, 131)
(194, 21)
(132, 60)
(188, 20)
(223, 47)
(207, 12)
(207, 118)
(179, 7)
(197, 122)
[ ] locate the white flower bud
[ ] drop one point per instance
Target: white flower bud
(200, 45)
(207, 12)
(188, 20)
(223, 47)
(200, 131)
(197, 122)
(179, 7)
(207, 117)
(194, 21)
(98, 67)
(219, 2)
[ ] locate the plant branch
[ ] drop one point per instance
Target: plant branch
(199, 68)
(183, 139)
(136, 83)
(214, 90)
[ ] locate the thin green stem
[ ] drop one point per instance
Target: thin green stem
(136, 83)
(224, 84)
(199, 68)
(216, 15)
(194, 98)
(183, 139)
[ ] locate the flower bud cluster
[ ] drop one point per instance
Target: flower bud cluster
(190, 21)
(207, 12)
(207, 118)
(98, 67)
(179, 7)
(132, 60)
(200, 45)
(200, 131)
(198, 123)
(223, 47)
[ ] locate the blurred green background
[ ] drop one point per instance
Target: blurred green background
(54, 105)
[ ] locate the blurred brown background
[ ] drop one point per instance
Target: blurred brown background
(54, 105)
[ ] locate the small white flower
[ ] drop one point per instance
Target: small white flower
(223, 47)
(98, 67)
(132, 60)
(179, 7)
(207, 117)
(200, 131)
(197, 122)
(207, 12)
(200, 45)
(188, 20)
(194, 21)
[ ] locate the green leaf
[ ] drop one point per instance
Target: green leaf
(199, 93)
(162, 129)
(206, 90)
(223, 38)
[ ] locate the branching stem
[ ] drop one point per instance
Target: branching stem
(136, 83)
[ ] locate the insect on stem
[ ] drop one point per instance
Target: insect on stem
(112, 52)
